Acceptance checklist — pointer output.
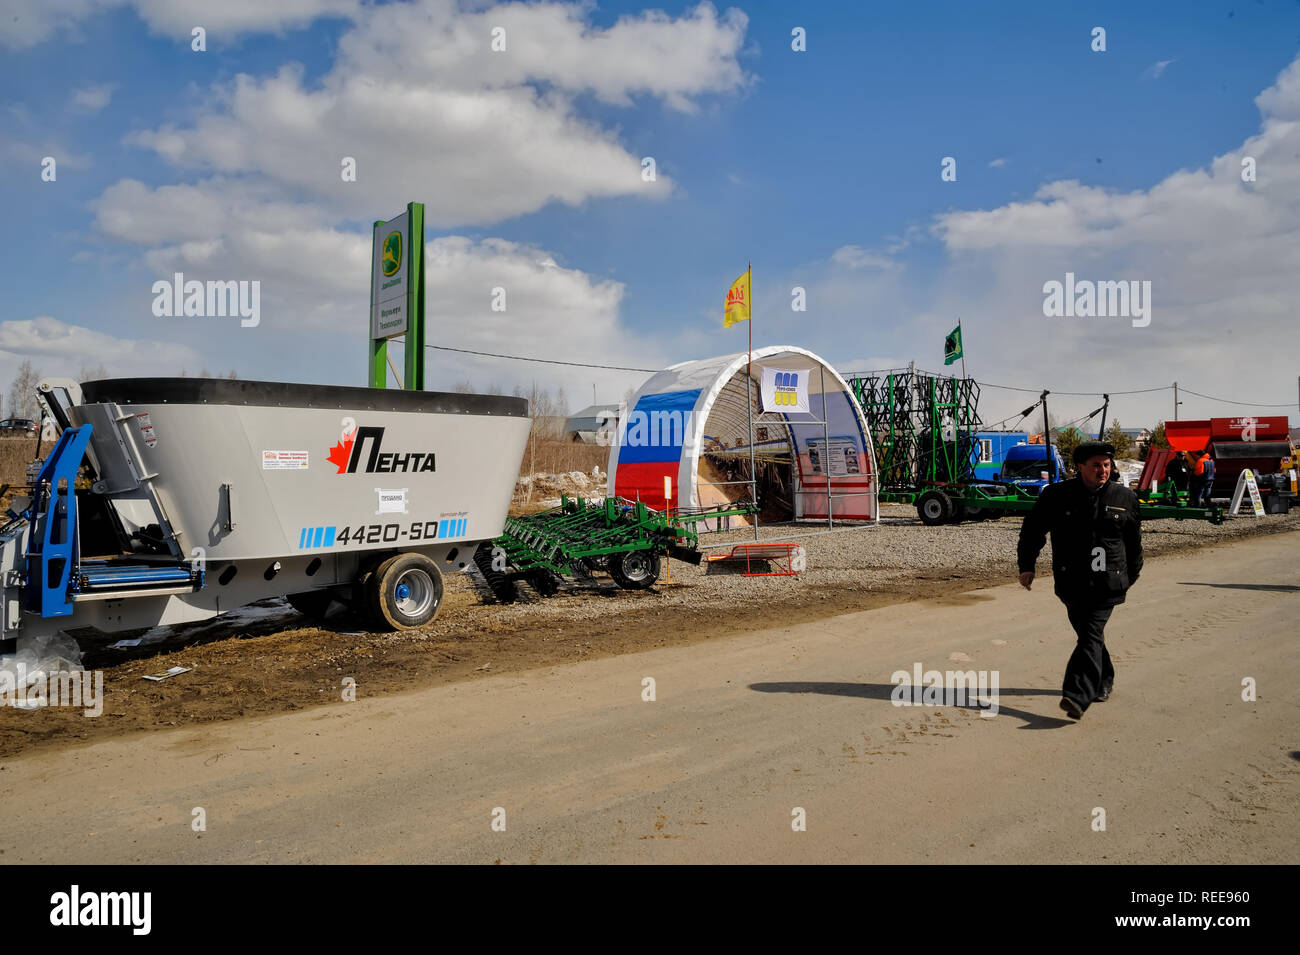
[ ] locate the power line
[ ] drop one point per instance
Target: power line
(1228, 401)
(544, 361)
(878, 371)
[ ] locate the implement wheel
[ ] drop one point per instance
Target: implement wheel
(934, 507)
(634, 570)
(405, 592)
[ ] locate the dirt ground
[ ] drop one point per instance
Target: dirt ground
(262, 662)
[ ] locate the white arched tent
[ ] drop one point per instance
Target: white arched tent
(700, 407)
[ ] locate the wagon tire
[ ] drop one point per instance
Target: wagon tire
(405, 592)
(635, 569)
(934, 507)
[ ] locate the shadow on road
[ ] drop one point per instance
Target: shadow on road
(884, 692)
(1277, 588)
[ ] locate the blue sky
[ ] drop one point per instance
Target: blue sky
(822, 167)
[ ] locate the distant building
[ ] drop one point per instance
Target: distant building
(991, 449)
(583, 426)
(1140, 437)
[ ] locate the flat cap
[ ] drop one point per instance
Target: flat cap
(1090, 449)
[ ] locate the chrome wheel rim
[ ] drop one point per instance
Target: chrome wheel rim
(413, 593)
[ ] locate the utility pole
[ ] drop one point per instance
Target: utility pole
(1101, 435)
(1047, 438)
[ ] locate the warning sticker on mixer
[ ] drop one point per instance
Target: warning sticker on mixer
(146, 428)
(284, 461)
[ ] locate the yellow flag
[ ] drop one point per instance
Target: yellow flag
(736, 307)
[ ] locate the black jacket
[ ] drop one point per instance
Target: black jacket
(1096, 541)
(1177, 471)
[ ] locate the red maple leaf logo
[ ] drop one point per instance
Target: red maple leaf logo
(342, 452)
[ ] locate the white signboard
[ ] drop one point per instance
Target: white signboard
(392, 501)
(1246, 482)
(785, 390)
(285, 460)
(391, 250)
(840, 460)
(146, 428)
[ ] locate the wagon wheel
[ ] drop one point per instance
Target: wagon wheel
(934, 507)
(405, 592)
(634, 570)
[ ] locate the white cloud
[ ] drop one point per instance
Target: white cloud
(997, 163)
(29, 22)
(1222, 256)
(57, 348)
(431, 43)
(25, 142)
(427, 109)
(856, 257)
(1156, 69)
(91, 99)
(315, 280)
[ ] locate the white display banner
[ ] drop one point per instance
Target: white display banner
(840, 459)
(391, 250)
(1246, 482)
(785, 390)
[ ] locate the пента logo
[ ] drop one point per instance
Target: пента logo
(346, 455)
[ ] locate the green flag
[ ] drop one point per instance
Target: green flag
(952, 346)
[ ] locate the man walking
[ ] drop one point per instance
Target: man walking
(1096, 557)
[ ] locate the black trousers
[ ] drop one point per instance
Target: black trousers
(1089, 668)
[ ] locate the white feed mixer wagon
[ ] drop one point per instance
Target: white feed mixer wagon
(168, 500)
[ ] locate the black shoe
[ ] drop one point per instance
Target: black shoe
(1072, 709)
(1104, 695)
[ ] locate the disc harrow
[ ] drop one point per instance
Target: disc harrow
(582, 536)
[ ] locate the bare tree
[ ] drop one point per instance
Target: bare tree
(22, 392)
(92, 374)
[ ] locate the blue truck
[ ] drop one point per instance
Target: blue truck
(1031, 467)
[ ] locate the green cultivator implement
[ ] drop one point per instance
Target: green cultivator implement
(624, 538)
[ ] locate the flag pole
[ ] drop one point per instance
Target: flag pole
(962, 339)
(749, 401)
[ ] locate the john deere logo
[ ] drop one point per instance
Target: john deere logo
(392, 259)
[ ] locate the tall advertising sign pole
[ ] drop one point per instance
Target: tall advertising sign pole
(397, 295)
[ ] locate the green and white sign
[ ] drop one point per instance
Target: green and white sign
(397, 297)
(390, 280)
